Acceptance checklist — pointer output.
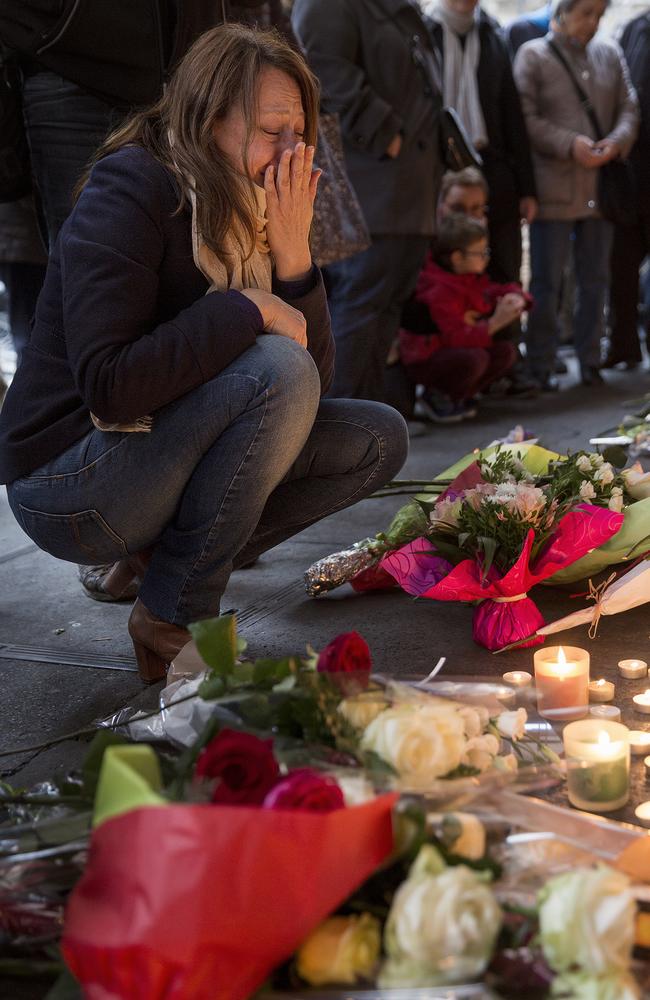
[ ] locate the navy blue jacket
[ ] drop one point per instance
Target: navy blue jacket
(123, 325)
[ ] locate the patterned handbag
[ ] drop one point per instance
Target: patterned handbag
(339, 229)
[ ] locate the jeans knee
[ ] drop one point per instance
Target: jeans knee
(392, 432)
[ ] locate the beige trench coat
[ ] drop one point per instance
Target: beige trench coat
(554, 117)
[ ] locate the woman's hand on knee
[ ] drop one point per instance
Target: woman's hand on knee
(290, 193)
(277, 316)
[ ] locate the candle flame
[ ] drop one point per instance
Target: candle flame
(603, 738)
(600, 682)
(646, 693)
(561, 667)
(561, 658)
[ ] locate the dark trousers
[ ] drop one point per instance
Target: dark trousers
(366, 294)
(65, 125)
(630, 246)
(23, 282)
(461, 372)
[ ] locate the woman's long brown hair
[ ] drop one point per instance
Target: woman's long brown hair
(219, 71)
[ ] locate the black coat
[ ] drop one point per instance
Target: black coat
(508, 166)
(635, 42)
(123, 325)
(365, 54)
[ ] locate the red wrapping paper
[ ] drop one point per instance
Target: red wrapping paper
(498, 622)
(204, 901)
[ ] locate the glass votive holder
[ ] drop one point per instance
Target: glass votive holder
(598, 764)
(562, 682)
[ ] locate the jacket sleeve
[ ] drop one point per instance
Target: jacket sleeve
(515, 135)
(329, 36)
(448, 312)
(626, 128)
(547, 138)
(309, 297)
(124, 361)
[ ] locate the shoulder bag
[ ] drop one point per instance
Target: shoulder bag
(616, 184)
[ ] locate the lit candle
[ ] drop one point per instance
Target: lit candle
(601, 690)
(642, 702)
(642, 813)
(562, 682)
(518, 678)
(633, 669)
(598, 764)
(610, 712)
(646, 764)
(639, 742)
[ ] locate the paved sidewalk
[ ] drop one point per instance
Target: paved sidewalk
(66, 660)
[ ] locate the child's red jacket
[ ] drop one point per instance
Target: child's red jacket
(460, 306)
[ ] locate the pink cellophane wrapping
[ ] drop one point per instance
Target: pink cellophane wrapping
(415, 566)
(203, 901)
(498, 623)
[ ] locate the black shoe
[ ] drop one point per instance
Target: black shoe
(591, 376)
(612, 361)
(549, 384)
(523, 387)
(560, 367)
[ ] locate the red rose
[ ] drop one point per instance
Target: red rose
(243, 765)
(305, 789)
(348, 654)
(373, 578)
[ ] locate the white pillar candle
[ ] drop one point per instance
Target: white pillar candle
(598, 764)
(639, 742)
(642, 814)
(633, 669)
(562, 682)
(610, 712)
(601, 690)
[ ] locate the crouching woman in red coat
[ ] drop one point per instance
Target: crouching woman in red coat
(462, 356)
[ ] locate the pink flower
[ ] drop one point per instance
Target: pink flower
(307, 790)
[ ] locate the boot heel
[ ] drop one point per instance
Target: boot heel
(151, 666)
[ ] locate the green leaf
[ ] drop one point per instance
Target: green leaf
(212, 687)
(409, 522)
(216, 641)
(65, 988)
(93, 760)
(267, 672)
(489, 547)
(615, 455)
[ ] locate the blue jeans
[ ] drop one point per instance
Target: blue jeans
(65, 125)
(550, 242)
(366, 294)
(228, 470)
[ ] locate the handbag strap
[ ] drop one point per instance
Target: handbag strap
(582, 96)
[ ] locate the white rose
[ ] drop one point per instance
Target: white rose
(361, 710)
(616, 500)
(583, 463)
(582, 986)
(464, 835)
(421, 741)
(481, 751)
(587, 491)
(441, 927)
(475, 718)
(355, 787)
(587, 919)
(512, 725)
(597, 460)
(637, 482)
(605, 474)
(506, 762)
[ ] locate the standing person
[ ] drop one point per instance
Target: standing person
(22, 266)
(86, 65)
(523, 29)
(149, 419)
(370, 57)
(631, 244)
(567, 156)
(478, 83)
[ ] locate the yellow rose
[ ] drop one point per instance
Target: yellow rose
(340, 950)
(359, 711)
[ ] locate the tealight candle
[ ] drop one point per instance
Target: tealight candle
(642, 813)
(610, 712)
(633, 669)
(518, 678)
(562, 682)
(598, 764)
(642, 702)
(646, 764)
(639, 741)
(601, 690)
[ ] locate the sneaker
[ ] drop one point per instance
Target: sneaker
(439, 409)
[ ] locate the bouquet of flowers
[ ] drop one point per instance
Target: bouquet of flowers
(496, 524)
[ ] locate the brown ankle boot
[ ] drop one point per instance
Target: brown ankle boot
(118, 581)
(155, 642)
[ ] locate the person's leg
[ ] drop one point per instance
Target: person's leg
(549, 246)
(23, 282)
(591, 256)
(455, 371)
(366, 294)
(65, 125)
(502, 355)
